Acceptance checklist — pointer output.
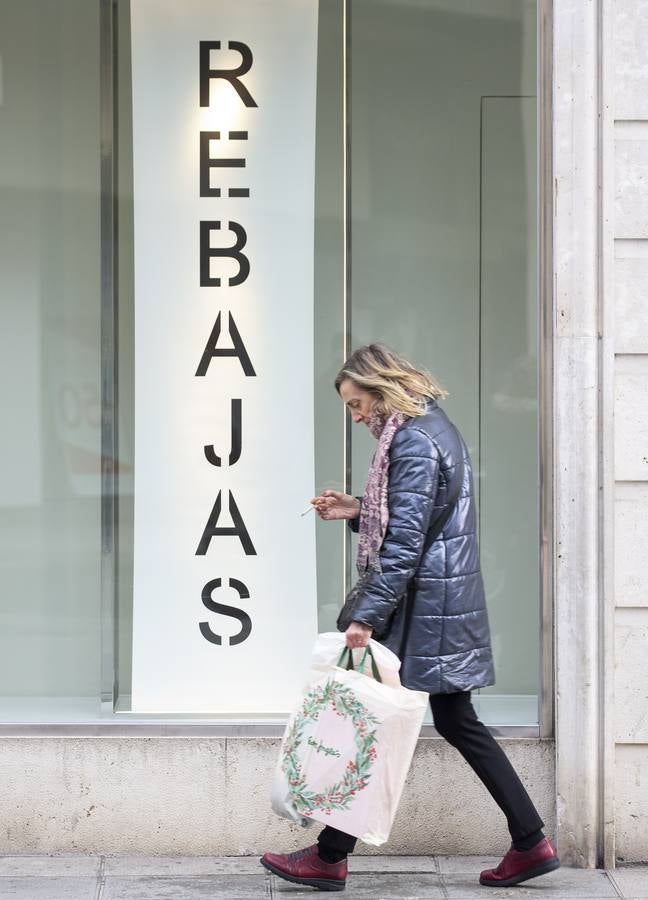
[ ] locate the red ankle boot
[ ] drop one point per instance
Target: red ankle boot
(519, 865)
(306, 867)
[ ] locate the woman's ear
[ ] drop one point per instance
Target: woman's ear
(379, 405)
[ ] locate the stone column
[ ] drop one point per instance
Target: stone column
(581, 442)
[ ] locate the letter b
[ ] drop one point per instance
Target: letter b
(207, 252)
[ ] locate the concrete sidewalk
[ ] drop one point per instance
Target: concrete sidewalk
(231, 878)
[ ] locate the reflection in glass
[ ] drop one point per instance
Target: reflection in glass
(444, 267)
(443, 229)
(50, 490)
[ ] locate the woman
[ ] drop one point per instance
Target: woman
(420, 593)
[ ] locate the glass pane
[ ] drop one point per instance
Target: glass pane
(328, 334)
(442, 182)
(329, 312)
(123, 120)
(509, 522)
(444, 268)
(50, 492)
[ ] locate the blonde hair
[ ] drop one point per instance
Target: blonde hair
(397, 384)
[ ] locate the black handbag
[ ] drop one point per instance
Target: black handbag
(345, 617)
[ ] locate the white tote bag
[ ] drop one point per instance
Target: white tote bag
(348, 747)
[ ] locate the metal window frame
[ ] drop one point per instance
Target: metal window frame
(546, 317)
(115, 724)
(109, 350)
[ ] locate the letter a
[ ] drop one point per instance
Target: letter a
(237, 350)
(238, 530)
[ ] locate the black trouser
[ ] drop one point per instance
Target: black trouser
(456, 720)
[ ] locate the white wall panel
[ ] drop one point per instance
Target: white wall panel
(631, 544)
(631, 802)
(631, 59)
(631, 188)
(631, 418)
(631, 301)
(631, 681)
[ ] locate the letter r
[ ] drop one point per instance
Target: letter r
(207, 74)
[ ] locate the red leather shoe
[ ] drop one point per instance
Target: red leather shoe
(306, 867)
(519, 866)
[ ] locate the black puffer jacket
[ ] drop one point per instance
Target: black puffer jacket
(448, 645)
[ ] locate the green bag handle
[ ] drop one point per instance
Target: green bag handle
(349, 664)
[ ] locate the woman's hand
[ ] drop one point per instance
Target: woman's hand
(336, 505)
(358, 635)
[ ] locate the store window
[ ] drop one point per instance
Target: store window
(423, 153)
(50, 504)
(444, 233)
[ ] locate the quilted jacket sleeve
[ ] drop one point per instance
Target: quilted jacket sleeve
(413, 484)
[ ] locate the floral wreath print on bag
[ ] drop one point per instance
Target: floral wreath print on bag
(357, 774)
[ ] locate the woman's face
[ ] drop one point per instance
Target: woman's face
(359, 402)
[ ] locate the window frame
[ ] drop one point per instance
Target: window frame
(116, 723)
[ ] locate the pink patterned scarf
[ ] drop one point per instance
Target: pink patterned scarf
(374, 512)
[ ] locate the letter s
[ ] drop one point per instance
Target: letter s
(225, 610)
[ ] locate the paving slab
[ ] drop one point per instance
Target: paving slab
(466, 865)
(192, 887)
(415, 886)
(385, 865)
(585, 884)
(58, 866)
(163, 866)
(47, 888)
(372, 877)
(632, 881)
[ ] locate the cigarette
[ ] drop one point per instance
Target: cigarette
(306, 511)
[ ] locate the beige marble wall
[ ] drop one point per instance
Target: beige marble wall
(577, 430)
(630, 26)
(600, 168)
(210, 796)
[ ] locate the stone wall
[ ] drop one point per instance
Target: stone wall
(206, 796)
(630, 298)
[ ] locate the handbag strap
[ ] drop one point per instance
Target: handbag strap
(368, 652)
(430, 538)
